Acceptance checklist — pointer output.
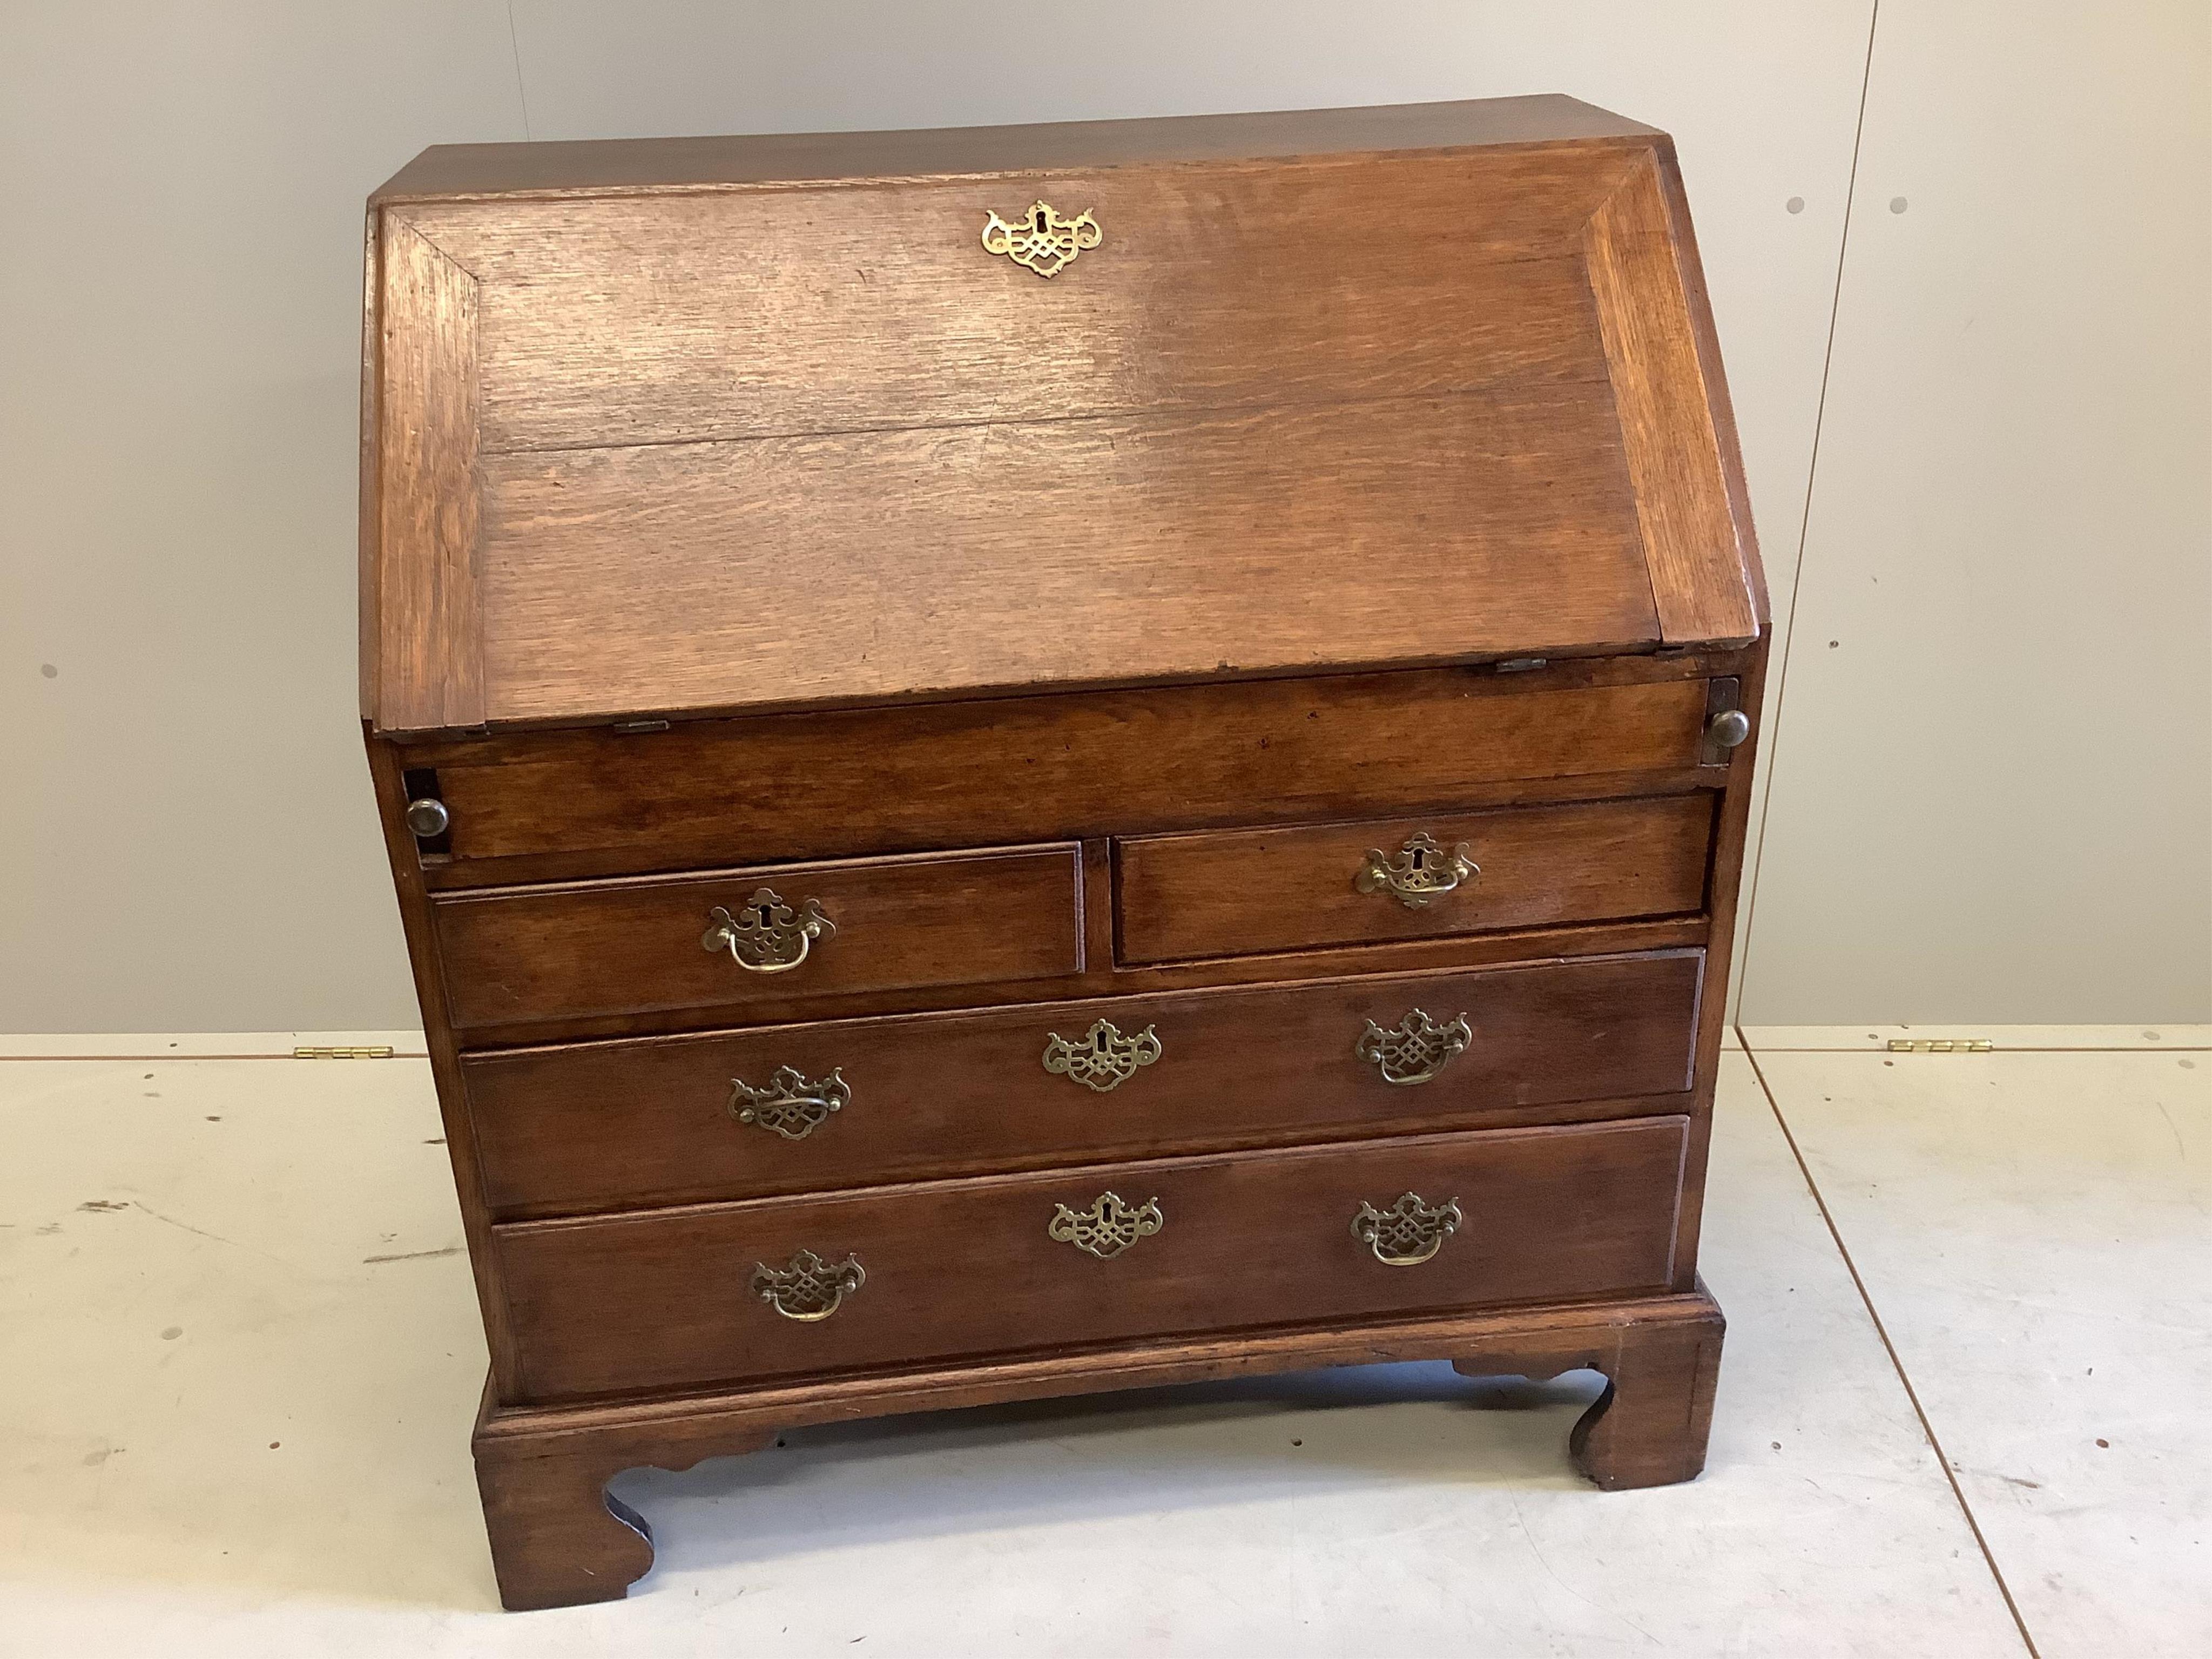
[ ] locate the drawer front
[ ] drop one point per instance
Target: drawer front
(1181, 897)
(1106, 1253)
(776, 933)
(1044, 768)
(611, 1124)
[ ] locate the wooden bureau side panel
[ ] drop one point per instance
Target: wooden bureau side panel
(996, 773)
(1701, 556)
(604, 1125)
(883, 564)
(414, 905)
(423, 617)
(1731, 829)
(1250, 1240)
(617, 947)
(1185, 897)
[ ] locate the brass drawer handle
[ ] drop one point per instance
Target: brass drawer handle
(1102, 1058)
(793, 1105)
(1041, 240)
(1416, 1050)
(1108, 1227)
(1421, 871)
(768, 936)
(1409, 1232)
(809, 1288)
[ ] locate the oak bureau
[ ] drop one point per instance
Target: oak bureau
(1034, 760)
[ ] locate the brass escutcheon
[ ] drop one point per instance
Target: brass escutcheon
(1417, 1050)
(793, 1105)
(809, 1288)
(768, 936)
(1409, 1232)
(1101, 1058)
(1421, 871)
(1041, 240)
(1108, 1227)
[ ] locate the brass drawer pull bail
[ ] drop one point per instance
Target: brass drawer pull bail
(808, 1288)
(1417, 1049)
(768, 936)
(1421, 871)
(1409, 1232)
(793, 1105)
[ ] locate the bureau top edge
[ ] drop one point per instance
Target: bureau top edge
(1554, 668)
(624, 165)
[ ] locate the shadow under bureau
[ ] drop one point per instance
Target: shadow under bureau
(1034, 760)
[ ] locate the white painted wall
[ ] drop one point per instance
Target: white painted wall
(187, 842)
(1991, 793)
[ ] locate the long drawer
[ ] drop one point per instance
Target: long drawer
(734, 936)
(1007, 771)
(1107, 1253)
(850, 1102)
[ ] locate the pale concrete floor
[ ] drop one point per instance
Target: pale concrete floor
(239, 1356)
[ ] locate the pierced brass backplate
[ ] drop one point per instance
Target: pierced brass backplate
(1041, 240)
(1409, 1232)
(1102, 1059)
(1108, 1227)
(1417, 1050)
(793, 1105)
(809, 1288)
(1421, 871)
(768, 936)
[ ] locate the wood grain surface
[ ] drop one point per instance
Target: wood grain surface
(422, 617)
(1354, 409)
(602, 167)
(880, 564)
(1731, 826)
(1699, 556)
(731, 518)
(387, 776)
(997, 772)
(1240, 893)
(559, 1538)
(614, 947)
(754, 313)
(1250, 1239)
(578, 1128)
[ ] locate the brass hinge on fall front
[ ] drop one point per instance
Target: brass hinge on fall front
(1941, 1046)
(376, 1051)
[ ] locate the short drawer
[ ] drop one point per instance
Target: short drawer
(786, 1108)
(575, 950)
(1244, 892)
(1102, 1253)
